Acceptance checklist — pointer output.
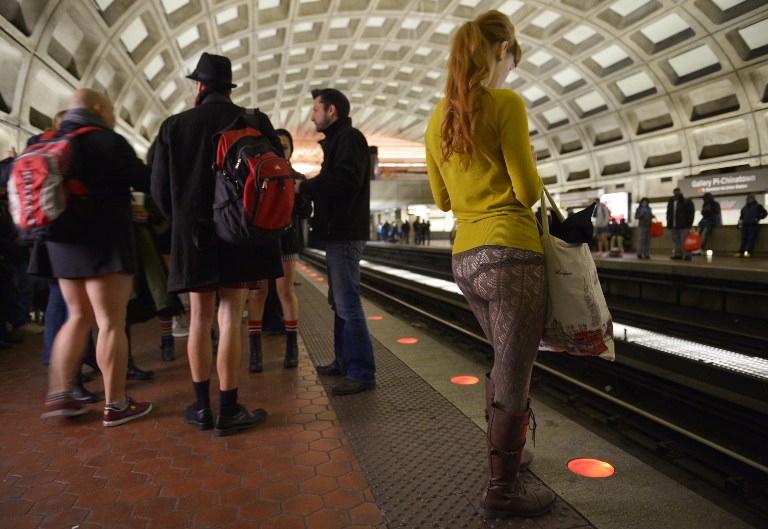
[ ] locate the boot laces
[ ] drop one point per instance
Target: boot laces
(532, 425)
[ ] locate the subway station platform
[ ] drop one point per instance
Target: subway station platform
(409, 454)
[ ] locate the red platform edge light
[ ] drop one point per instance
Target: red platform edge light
(375, 318)
(320, 279)
(465, 380)
(408, 340)
(591, 468)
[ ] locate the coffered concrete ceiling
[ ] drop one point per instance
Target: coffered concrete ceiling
(614, 88)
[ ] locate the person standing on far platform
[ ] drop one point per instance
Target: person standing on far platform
(749, 224)
(644, 217)
(341, 197)
(602, 218)
(482, 168)
(680, 213)
(711, 217)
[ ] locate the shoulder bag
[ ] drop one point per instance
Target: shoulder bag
(578, 321)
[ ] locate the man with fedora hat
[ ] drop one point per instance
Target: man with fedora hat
(182, 184)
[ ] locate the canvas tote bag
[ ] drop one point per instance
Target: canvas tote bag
(578, 321)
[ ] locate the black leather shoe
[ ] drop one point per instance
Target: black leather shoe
(244, 420)
(350, 387)
(330, 370)
(200, 419)
(168, 349)
(82, 395)
(135, 373)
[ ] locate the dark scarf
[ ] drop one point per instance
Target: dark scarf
(83, 118)
(214, 94)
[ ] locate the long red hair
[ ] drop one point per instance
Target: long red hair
(468, 70)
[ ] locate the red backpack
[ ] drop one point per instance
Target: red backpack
(254, 194)
(43, 195)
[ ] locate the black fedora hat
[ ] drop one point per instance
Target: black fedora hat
(213, 70)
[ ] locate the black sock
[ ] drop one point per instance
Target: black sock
(228, 402)
(202, 394)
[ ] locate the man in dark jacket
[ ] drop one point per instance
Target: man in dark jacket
(341, 196)
(202, 264)
(680, 212)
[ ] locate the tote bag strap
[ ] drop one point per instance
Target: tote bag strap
(546, 197)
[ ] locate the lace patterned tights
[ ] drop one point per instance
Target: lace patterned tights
(506, 289)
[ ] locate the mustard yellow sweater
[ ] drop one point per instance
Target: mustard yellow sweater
(492, 198)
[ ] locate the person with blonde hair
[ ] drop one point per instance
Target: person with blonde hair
(482, 168)
(94, 266)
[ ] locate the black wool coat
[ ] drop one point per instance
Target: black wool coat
(182, 185)
(341, 191)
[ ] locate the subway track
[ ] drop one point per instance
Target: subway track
(702, 425)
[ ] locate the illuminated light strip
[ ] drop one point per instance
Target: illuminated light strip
(722, 358)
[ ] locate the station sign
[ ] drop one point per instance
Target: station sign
(742, 182)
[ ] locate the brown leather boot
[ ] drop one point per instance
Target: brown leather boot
(504, 495)
(527, 457)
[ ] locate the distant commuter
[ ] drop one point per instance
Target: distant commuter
(711, 217)
(481, 167)
(341, 197)
(749, 224)
(621, 235)
(602, 217)
(644, 216)
(680, 213)
(406, 229)
(289, 247)
(201, 263)
(94, 271)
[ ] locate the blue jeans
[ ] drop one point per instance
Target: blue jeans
(705, 230)
(678, 236)
(21, 302)
(748, 238)
(352, 342)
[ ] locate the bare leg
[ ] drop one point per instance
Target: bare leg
(109, 296)
(257, 298)
(66, 352)
(202, 305)
(231, 301)
(287, 292)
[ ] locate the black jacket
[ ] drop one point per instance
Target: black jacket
(682, 216)
(183, 186)
(341, 192)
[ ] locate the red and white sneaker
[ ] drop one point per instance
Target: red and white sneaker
(62, 406)
(133, 410)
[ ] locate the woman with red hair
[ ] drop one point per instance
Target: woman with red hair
(481, 167)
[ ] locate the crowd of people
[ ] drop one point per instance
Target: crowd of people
(400, 232)
(145, 247)
(148, 237)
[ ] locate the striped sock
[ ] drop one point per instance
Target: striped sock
(254, 327)
(291, 325)
(166, 326)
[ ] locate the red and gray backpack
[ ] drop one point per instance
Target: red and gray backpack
(43, 194)
(254, 193)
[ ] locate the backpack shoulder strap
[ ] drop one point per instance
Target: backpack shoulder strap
(82, 130)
